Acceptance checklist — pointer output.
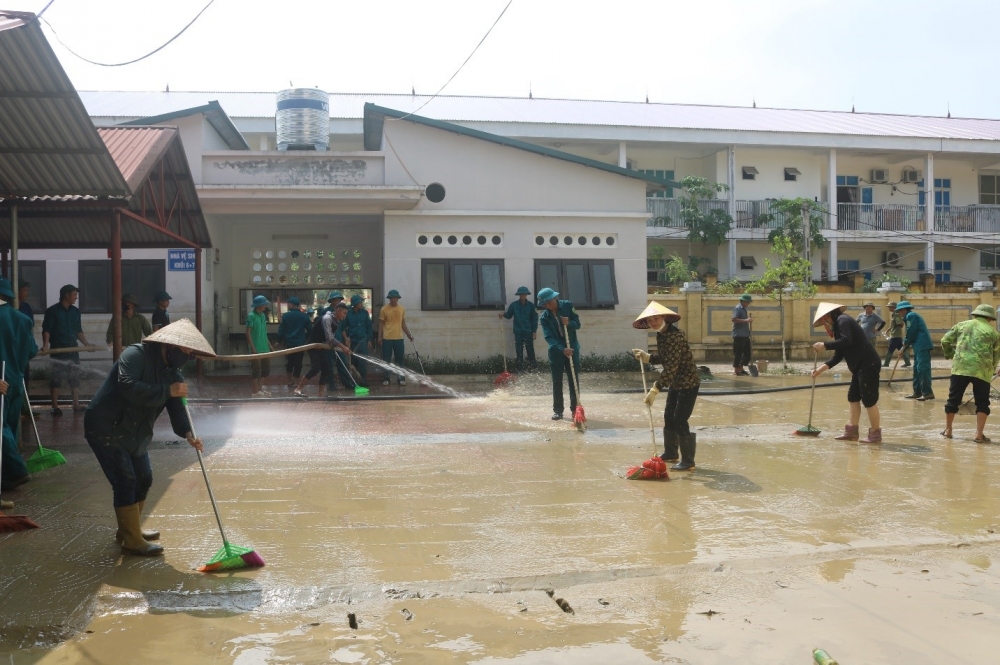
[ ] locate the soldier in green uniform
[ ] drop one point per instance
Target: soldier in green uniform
(559, 316)
(525, 317)
(135, 326)
(974, 349)
(17, 347)
(917, 337)
(896, 326)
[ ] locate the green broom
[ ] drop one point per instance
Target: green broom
(358, 390)
(44, 458)
(229, 557)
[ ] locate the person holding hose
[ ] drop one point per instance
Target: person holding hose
(851, 344)
(357, 327)
(118, 423)
(558, 317)
(919, 339)
(391, 328)
(679, 377)
(525, 318)
(973, 347)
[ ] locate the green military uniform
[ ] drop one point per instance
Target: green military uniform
(896, 325)
(134, 328)
(555, 336)
(17, 347)
(974, 349)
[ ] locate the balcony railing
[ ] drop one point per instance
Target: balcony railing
(850, 216)
(747, 215)
(898, 217)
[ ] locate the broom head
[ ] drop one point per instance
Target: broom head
(44, 458)
(808, 430)
(579, 416)
(967, 408)
(652, 469)
(504, 379)
(232, 557)
(358, 390)
(12, 523)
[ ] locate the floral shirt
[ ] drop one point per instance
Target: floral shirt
(973, 347)
(672, 351)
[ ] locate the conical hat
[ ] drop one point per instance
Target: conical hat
(183, 333)
(655, 309)
(824, 309)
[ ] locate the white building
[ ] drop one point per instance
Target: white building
(877, 169)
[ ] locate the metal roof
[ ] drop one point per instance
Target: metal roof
(519, 110)
(48, 144)
(214, 115)
(153, 163)
(375, 120)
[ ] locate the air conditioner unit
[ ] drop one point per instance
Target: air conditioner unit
(891, 258)
(880, 175)
(912, 175)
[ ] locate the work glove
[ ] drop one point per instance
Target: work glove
(640, 355)
(651, 396)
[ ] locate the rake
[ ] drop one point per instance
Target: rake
(809, 430)
(11, 523)
(229, 557)
(44, 458)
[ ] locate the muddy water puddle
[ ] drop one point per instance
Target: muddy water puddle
(442, 526)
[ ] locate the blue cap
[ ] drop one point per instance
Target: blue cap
(161, 295)
(394, 294)
(544, 296)
(294, 300)
(260, 300)
(5, 289)
(335, 294)
(356, 300)
(522, 291)
(903, 304)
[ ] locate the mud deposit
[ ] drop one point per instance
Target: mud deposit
(476, 530)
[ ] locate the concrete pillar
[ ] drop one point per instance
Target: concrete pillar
(622, 155)
(832, 261)
(831, 187)
(731, 204)
(116, 284)
(927, 282)
(929, 193)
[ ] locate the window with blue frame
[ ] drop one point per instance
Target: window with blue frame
(989, 259)
(942, 192)
(847, 181)
(849, 267)
(666, 175)
(942, 271)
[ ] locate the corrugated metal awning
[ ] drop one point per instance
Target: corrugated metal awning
(48, 145)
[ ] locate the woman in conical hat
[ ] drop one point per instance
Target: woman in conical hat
(118, 423)
(851, 344)
(679, 377)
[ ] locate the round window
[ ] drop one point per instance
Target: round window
(256, 267)
(282, 267)
(282, 254)
(581, 241)
(434, 192)
(596, 240)
(496, 240)
(452, 240)
(568, 240)
(319, 279)
(257, 254)
(282, 279)
(610, 240)
(437, 240)
(553, 240)
(295, 254)
(466, 240)
(269, 267)
(269, 279)
(422, 240)
(269, 254)
(257, 279)
(539, 240)
(481, 240)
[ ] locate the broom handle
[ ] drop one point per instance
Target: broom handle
(503, 346)
(893, 372)
(34, 426)
(344, 365)
(572, 371)
(204, 473)
(812, 393)
(3, 377)
(649, 409)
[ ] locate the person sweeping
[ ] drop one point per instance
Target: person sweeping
(118, 424)
(292, 332)
(679, 377)
(525, 317)
(560, 316)
(973, 347)
(919, 339)
(896, 327)
(851, 345)
(17, 347)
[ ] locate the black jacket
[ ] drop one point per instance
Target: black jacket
(130, 400)
(851, 344)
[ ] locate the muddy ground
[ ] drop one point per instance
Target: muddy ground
(441, 525)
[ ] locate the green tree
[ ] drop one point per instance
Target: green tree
(679, 271)
(708, 226)
(789, 212)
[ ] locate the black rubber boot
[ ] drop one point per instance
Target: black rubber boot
(670, 443)
(688, 444)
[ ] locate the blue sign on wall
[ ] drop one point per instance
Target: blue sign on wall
(181, 260)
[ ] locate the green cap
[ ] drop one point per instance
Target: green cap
(746, 297)
(985, 311)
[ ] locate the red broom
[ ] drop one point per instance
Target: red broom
(579, 417)
(11, 523)
(654, 468)
(505, 376)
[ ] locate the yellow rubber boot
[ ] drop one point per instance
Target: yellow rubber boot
(132, 540)
(146, 535)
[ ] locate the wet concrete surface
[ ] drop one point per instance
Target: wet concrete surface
(442, 524)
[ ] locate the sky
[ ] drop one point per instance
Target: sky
(888, 56)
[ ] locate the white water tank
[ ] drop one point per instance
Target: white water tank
(302, 119)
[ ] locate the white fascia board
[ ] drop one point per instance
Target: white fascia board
(293, 154)
(516, 213)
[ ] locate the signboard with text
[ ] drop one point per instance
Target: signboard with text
(180, 260)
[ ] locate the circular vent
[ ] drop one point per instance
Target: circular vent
(434, 192)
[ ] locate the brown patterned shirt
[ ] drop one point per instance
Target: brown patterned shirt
(672, 351)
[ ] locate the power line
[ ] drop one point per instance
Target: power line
(464, 62)
(129, 62)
